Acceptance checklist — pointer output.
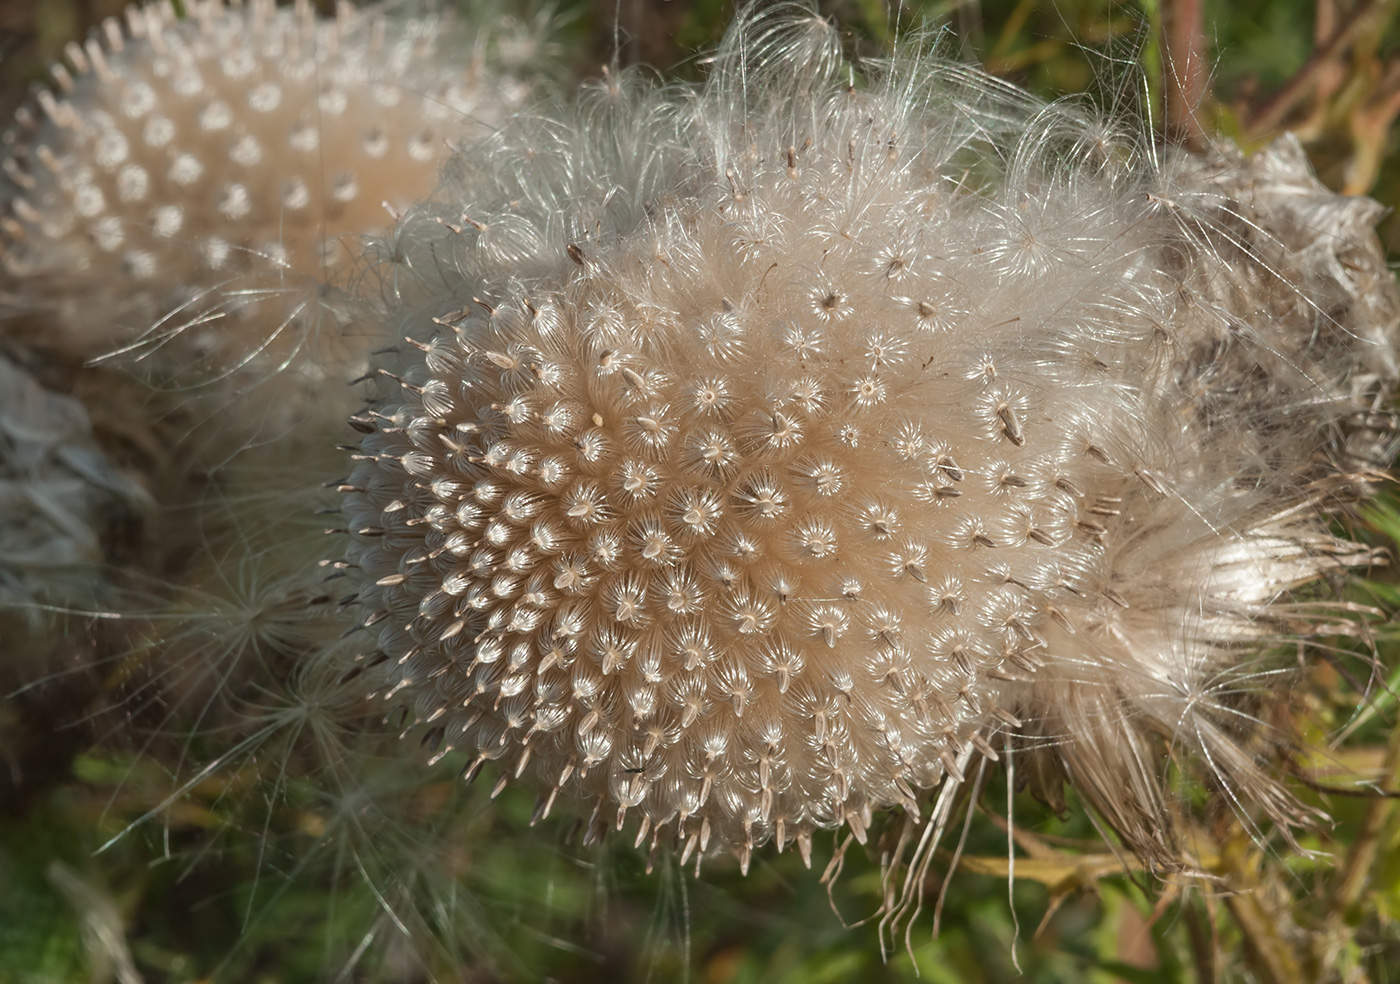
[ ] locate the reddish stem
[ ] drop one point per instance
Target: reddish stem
(1184, 43)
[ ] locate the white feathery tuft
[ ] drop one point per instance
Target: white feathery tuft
(766, 454)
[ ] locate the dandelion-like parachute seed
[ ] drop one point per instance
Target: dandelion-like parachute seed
(820, 440)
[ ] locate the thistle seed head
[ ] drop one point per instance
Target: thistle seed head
(767, 454)
(192, 188)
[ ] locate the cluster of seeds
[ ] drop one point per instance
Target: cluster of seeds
(193, 185)
(805, 471)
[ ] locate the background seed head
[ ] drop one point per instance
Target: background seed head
(765, 454)
(193, 191)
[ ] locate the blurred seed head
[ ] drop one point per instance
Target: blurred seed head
(765, 455)
(191, 194)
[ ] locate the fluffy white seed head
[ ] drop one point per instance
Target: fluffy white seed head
(192, 189)
(763, 455)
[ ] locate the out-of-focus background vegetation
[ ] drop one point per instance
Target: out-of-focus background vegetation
(249, 879)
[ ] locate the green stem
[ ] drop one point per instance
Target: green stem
(1357, 869)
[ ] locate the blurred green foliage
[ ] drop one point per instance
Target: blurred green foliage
(246, 877)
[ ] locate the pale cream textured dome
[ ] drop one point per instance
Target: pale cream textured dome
(194, 188)
(763, 456)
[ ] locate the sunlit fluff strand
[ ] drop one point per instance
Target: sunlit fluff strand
(764, 455)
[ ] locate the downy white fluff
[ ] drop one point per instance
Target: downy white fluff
(765, 454)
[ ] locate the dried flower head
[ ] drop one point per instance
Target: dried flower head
(196, 188)
(766, 455)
